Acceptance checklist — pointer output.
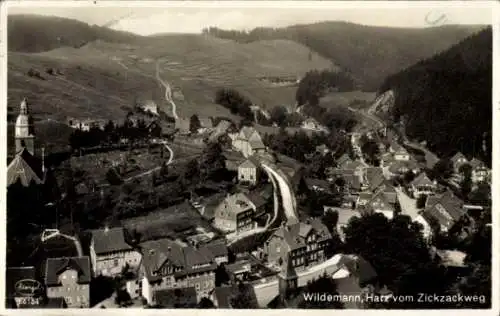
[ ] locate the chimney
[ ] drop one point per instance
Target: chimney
(43, 159)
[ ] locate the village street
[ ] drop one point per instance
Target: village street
(408, 204)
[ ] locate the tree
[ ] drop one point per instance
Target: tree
(481, 195)
(279, 115)
(443, 169)
(194, 123)
(242, 297)
(370, 150)
(122, 298)
(205, 302)
(466, 185)
(421, 201)
(330, 219)
(398, 252)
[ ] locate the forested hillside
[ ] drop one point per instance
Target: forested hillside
(369, 53)
(447, 99)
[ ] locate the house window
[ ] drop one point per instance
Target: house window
(116, 262)
(68, 299)
(197, 286)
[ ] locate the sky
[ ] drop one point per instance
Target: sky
(193, 18)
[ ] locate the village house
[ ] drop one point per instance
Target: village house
(422, 185)
(183, 125)
(26, 170)
(401, 154)
(235, 214)
(373, 177)
(110, 253)
(249, 142)
(248, 172)
(171, 264)
(69, 278)
(206, 125)
(398, 168)
(480, 173)
(381, 203)
(458, 160)
(446, 210)
(222, 128)
(298, 246)
(317, 185)
(313, 125)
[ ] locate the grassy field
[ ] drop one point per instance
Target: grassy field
(104, 79)
(364, 99)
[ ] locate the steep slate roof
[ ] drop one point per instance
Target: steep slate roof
(446, 203)
(476, 163)
(24, 168)
(396, 165)
(157, 252)
(375, 177)
(56, 266)
(247, 164)
(217, 249)
(110, 240)
(343, 159)
(345, 216)
(457, 156)
(383, 201)
(206, 122)
(422, 180)
(237, 203)
(294, 234)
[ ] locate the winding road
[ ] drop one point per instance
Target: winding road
(168, 90)
(282, 187)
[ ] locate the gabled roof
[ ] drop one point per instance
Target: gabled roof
(343, 159)
(247, 164)
(446, 208)
(456, 157)
(206, 122)
(56, 266)
(375, 177)
(345, 215)
(397, 165)
(24, 168)
(422, 180)
(110, 240)
(237, 203)
(382, 199)
(217, 249)
(294, 235)
(476, 163)
(156, 253)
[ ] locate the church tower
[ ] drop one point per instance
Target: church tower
(25, 131)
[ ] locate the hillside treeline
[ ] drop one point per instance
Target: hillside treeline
(316, 83)
(447, 99)
(368, 53)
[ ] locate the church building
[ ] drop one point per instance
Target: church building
(25, 168)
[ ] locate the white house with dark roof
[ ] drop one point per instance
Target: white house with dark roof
(110, 252)
(69, 278)
(422, 185)
(170, 264)
(480, 173)
(446, 209)
(298, 246)
(248, 172)
(249, 142)
(235, 214)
